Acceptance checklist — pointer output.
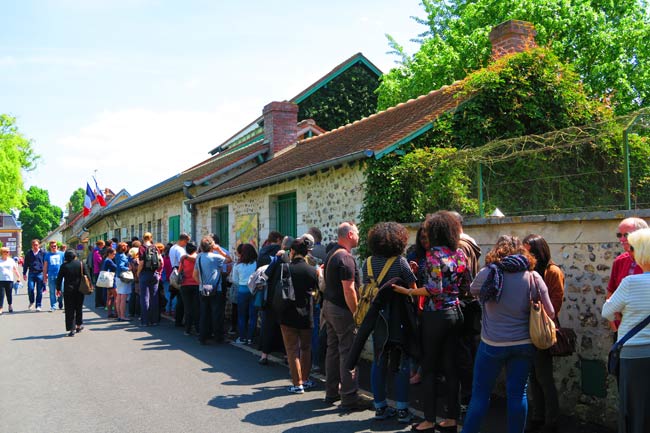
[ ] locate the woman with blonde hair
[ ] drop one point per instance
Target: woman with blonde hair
(632, 300)
(504, 287)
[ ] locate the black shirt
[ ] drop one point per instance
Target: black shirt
(339, 267)
(305, 282)
(70, 272)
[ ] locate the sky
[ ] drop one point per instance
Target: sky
(136, 91)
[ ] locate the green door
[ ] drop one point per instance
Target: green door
(174, 228)
(286, 215)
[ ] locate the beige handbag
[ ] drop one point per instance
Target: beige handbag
(541, 327)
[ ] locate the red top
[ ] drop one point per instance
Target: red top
(623, 266)
(187, 265)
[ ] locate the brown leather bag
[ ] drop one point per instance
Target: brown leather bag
(85, 286)
(566, 341)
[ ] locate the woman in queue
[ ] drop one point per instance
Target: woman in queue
(544, 406)
(246, 309)
(190, 289)
(504, 288)
(123, 288)
(111, 293)
(632, 300)
(207, 272)
(440, 281)
(71, 272)
(297, 317)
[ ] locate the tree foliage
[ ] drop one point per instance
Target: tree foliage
(76, 202)
(348, 97)
(16, 156)
(606, 41)
(39, 216)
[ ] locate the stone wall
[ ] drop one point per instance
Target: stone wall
(324, 200)
(584, 246)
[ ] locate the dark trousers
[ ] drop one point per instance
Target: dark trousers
(190, 296)
(134, 304)
(340, 335)
(439, 335)
(149, 304)
(211, 316)
(5, 288)
(467, 347)
(270, 334)
(74, 303)
(544, 405)
(180, 309)
(634, 396)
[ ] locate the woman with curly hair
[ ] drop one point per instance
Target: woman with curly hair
(440, 280)
(388, 320)
(504, 288)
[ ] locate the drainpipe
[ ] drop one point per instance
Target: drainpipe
(190, 207)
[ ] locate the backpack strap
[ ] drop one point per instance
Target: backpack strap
(369, 268)
(384, 270)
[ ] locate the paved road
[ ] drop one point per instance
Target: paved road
(116, 377)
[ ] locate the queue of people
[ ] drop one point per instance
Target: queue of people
(436, 313)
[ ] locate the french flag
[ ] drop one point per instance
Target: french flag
(100, 195)
(88, 201)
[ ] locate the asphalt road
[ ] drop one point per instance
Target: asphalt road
(115, 377)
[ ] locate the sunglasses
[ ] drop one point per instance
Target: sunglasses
(622, 235)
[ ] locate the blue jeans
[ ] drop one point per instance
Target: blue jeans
(489, 361)
(378, 375)
(35, 279)
(51, 286)
(246, 312)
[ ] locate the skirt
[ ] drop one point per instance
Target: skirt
(123, 288)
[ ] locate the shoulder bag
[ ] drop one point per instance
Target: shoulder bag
(541, 327)
(105, 279)
(614, 357)
(84, 283)
(566, 341)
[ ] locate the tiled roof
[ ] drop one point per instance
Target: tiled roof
(370, 136)
(175, 183)
(339, 69)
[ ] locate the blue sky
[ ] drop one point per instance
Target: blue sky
(140, 90)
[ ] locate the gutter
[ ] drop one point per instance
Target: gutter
(229, 167)
(368, 153)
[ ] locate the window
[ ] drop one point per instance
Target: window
(125, 235)
(140, 231)
(220, 225)
(286, 215)
(116, 234)
(132, 231)
(149, 230)
(159, 230)
(174, 228)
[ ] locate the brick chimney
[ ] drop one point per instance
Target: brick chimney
(512, 36)
(280, 125)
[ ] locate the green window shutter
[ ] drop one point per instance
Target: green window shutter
(220, 225)
(286, 214)
(174, 228)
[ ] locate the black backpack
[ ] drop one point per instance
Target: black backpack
(151, 262)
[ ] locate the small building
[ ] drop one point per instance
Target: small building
(11, 234)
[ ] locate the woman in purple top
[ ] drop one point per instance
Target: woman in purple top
(503, 287)
(443, 275)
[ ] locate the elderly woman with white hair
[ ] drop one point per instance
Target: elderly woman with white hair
(632, 300)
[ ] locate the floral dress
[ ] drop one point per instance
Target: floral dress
(444, 275)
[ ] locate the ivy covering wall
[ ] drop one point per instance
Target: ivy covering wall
(517, 97)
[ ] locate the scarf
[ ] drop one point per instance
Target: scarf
(493, 285)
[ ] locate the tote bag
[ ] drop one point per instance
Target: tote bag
(541, 327)
(105, 279)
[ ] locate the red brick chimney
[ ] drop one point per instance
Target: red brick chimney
(280, 125)
(512, 36)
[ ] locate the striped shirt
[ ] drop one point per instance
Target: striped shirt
(632, 300)
(400, 268)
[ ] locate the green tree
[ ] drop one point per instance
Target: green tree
(604, 40)
(39, 216)
(16, 156)
(76, 202)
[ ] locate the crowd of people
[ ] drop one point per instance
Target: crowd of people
(438, 320)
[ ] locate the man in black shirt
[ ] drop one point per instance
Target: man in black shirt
(341, 283)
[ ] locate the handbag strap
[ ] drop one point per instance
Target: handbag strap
(533, 283)
(632, 332)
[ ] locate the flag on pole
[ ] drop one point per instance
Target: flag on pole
(88, 200)
(100, 195)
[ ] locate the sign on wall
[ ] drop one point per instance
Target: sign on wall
(247, 229)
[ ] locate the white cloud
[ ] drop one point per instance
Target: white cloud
(136, 148)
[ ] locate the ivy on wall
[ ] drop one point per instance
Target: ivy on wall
(516, 96)
(348, 97)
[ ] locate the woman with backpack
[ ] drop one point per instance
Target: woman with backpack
(441, 279)
(391, 319)
(207, 271)
(298, 280)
